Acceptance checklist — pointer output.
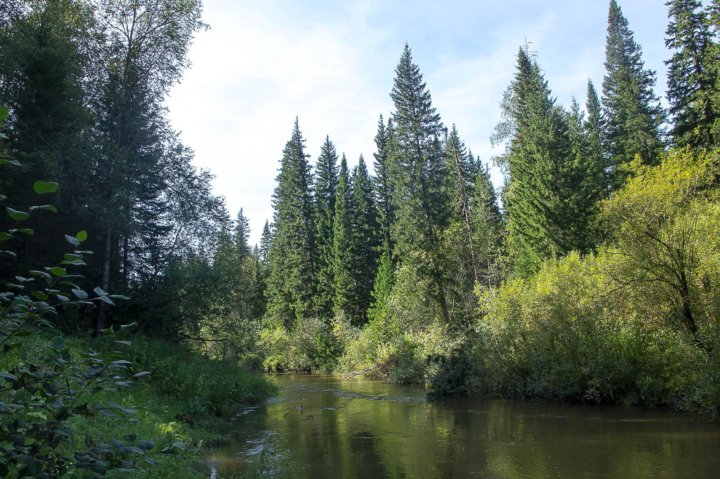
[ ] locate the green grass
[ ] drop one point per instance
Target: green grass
(179, 406)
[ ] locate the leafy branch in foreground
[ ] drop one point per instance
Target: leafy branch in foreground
(39, 394)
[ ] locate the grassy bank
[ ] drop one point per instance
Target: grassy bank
(164, 419)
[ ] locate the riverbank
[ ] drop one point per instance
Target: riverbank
(161, 422)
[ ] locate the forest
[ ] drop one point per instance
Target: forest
(592, 275)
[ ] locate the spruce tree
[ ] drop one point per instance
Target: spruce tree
(382, 182)
(365, 239)
(326, 180)
(343, 255)
(545, 162)
(418, 180)
(291, 285)
(632, 114)
(242, 233)
(487, 228)
(460, 166)
(594, 134)
(691, 79)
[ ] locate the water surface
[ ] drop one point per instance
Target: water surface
(334, 428)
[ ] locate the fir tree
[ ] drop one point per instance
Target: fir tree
(631, 112)
(292, 269)
(326, 180)
(691, 80)
(418, 180)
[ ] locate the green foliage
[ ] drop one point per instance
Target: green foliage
(632, 114)
(553, 179)
(291, 284)
(691, 75)
(40, 394)
(636, 323)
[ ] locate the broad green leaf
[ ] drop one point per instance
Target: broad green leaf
(16, 214)
(45, 187)
(81, 236)
(25, 231)
(4, 113)
(58, 271)
(63, 298)
(5, 236)
(50, 208)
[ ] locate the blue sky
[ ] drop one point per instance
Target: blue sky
(262, 63)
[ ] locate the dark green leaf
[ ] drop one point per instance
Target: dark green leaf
(44, 187)
(141, 374)
(58, 271)
(5, 236)
(50, 208)
(16, 214)
(81, 236)
(99, 291)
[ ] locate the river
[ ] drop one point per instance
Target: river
(328, 427)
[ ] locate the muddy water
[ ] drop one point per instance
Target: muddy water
(332, 428)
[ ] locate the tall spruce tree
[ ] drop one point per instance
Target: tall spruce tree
(365, 238)
(326, 181)
(242, 233)
(691, 78)
(343, 249)
(382, 182)
(460, 166)
(418, 180)
(546, 176)
(291, 284)
(632, 114)
(487, 228)
(594, 133)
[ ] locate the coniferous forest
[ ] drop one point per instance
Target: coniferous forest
(591, 275)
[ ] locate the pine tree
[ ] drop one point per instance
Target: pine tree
(365, 239)
(418, 180)
(343, 255)
(691, 79)
(632, 114)
(292, 269)
(326, 180)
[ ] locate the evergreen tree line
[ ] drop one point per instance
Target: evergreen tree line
(429, 215)
(85, 83)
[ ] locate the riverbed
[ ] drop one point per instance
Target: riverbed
(326, 427)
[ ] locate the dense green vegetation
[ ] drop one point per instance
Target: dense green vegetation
(592, 275)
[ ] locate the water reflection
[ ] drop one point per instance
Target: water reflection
(333, 428)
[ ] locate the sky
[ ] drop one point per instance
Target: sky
(331, 64)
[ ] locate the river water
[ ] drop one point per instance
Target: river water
(333, 428)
